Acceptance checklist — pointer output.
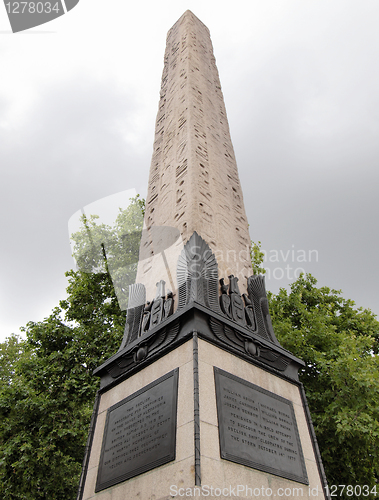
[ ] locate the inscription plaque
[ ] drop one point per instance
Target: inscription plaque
(140, 432)
(257, 428)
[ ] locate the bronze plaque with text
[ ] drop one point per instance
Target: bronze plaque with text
(257, 428)
(140, 432)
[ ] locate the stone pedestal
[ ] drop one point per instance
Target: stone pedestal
(216, 398)
(154, 483)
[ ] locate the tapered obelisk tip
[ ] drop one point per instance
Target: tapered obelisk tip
(188, 13)
(193, 182)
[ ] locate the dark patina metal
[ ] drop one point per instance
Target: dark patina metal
(197, 274)
(257, 428)
(140, 432)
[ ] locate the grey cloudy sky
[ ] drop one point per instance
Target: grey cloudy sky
(78, 100)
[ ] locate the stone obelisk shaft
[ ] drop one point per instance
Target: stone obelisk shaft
(194, 183)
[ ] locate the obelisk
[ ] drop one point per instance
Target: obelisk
(201, 400)
(194, 183)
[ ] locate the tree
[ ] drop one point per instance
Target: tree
(46, 384)
(257, 257)
(100, 248)
(339, 345)
(41, 412)
(10, 352)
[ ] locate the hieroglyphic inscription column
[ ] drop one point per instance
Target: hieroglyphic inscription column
(194, 183)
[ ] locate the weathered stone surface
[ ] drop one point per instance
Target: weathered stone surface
(194, 183)
(223, 473)
(158, 480)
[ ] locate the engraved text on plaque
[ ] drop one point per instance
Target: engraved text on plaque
(257, 428)
(140, 432)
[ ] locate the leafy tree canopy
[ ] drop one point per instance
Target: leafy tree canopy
(339, 345)
(100, 248)
(46, 384)
(10, 352)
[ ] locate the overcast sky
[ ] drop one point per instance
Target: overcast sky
(78, 101)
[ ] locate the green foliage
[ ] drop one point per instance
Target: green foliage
(46, 384)
(39, 431)
(10, 352)
(257, 257)
(46, 408)
(339, 345)
(113, 249)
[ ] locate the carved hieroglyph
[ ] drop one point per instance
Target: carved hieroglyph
(193, 183)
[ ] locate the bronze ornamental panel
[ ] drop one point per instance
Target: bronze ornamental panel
(140, 432)
(257, 428)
